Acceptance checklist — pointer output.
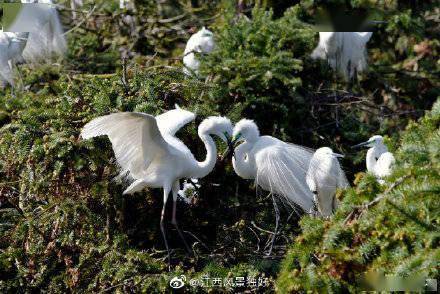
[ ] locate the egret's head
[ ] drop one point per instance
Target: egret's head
(326, 151)
(245, 130)
(217, 125)
(376, 140)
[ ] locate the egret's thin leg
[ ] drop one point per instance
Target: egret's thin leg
(174, 220)
(277, 220)
(166, 192)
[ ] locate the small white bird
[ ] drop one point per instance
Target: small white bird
(46, 38)
(148, 152)
(11, 49)
(379, 161)
(324, 176)
(201, 42)
(344, 51)
(276, 166)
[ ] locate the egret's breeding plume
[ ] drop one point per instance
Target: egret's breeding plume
(344, 51)
(11, 49)
(201, 42)
(150, 155)
(46, 39)
(324, 176)
(379, 161)
(276, 166)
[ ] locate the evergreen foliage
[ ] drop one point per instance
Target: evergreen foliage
(65, 226)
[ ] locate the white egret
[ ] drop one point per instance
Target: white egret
(148, 152)
(46, 38)
(11, 49)
(201, 42)
(344, 51)
(324, 176)
(379, 161)
(276, 166)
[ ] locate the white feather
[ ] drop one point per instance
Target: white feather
(276, 166)
(46, 37)
(344, 51)
(200, 42)
(324, 176)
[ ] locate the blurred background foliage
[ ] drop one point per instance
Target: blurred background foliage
(65, 225)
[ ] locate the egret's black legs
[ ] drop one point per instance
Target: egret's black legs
(166, 192)
(174, 220)
(277, 221)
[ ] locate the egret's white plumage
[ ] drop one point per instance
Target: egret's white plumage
(344, 51)
(379, 161)
(276, 166)
(324, 176)
(201, 42)
(11, 49)
(148, 152)
(46, 37)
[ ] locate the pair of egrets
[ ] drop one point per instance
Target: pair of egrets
(150, 155)
(345, 52)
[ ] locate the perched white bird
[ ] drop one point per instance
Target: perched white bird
(379, 161)
(201, 42)
(344, 51)
(276, 166)
(46, 38)
(11, 49)
(148, 152)
(324, 176)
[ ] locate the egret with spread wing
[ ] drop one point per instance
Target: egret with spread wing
(148, 152)
(276, 166)
(379, 161)
(324, 176)
(344, 51)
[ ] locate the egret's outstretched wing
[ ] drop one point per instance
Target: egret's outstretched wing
(281, 169)
(384, 164)
(172, 121)
(135, 138)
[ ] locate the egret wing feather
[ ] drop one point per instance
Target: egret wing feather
(172, 121)
(135, 138)
(281, 169)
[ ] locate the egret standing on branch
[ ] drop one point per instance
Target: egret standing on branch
(276, 166)
(46, 38)
(201, 42)
(324, 176)
(148, 152)
(379, 161)
(344, 51)
(11, 49)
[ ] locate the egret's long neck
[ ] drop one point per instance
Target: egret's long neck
(243, 162)
(206, 166)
